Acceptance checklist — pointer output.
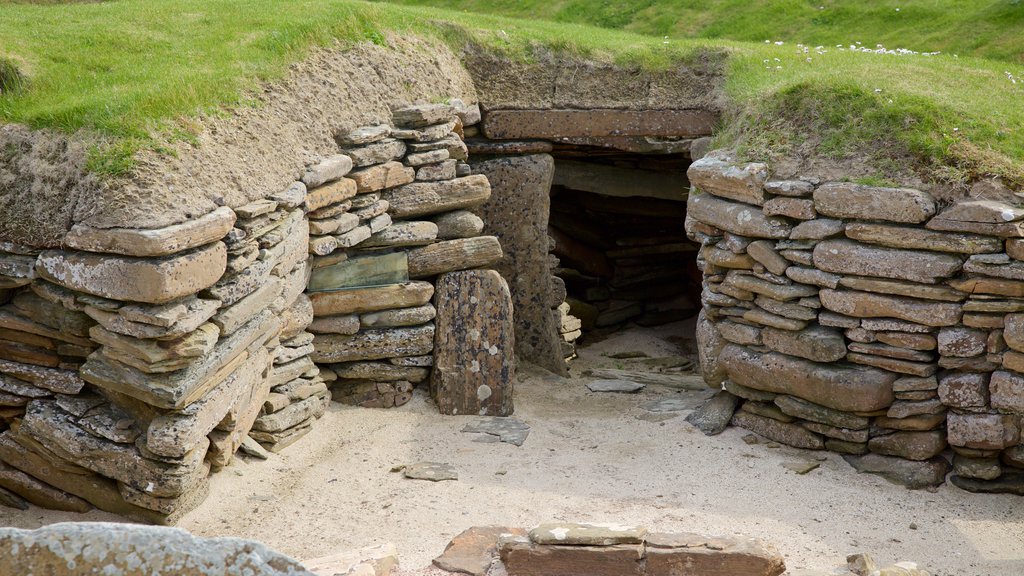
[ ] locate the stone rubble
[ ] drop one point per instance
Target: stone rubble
(864, 320)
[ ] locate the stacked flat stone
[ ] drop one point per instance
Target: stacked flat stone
(179, 333)
(374, 319)
(865, 321)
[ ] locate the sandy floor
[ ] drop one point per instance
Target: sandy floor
(588, 458)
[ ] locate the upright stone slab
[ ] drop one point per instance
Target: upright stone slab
(474, 367)
(517, 213)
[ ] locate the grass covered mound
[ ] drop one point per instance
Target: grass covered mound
(125, 70)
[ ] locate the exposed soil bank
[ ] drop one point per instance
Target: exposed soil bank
(588, 458)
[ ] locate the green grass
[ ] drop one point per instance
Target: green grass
(127, 71)
(988, 29)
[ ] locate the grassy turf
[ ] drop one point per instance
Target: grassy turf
(127, 69)
(988, 29)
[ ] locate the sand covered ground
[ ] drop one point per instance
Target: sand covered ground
(589, 457)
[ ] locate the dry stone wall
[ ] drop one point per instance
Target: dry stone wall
(381, 237)
(134, 362)
(870, 321)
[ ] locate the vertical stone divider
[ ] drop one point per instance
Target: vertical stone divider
(517, 213)
(406, 221)
(474, 364)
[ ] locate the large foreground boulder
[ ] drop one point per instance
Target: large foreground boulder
(69, 549)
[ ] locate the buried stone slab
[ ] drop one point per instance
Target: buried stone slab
(608, 385)
(474, 550)
(909, 473)
(107, 548)
(714, 415)
(433, 471)
(474, 367)
(508, 430)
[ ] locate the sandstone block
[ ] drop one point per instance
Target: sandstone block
(1007, 392)
(796, 208)
(740, 182)
(452, 255)
(912, 474)
(846, 388)
(422, 198)
(376, 344)
(847, 257)
(964, 390)
(737, 218)
(327, 170)
(474, 369)
(153, 281)
(922, 239)
(983, 431)
(817, 343)
(789, 434)
(549, 124)
(868, 305)
(818, 229)
(153, 242)
(986, 217)
(909, 445)
(458, 224)
(401, 234)
(361, 300)
(962, 342)
(859, 202)
(70, 548)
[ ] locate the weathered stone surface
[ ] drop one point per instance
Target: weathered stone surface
(376, 344)
(987, 217)
(378, 152)
(524, 558)
(65, 549)
(1013, 331)
(55, 429)
(38, 492)
(327, 170)
(962, 342)
(422, 198)
(465, 224)
(331, 194)
(474, 368)
(817, 343)
(764, 252)
(879, 349)
(550, 124)
(343, 324)
(737, 218)
(399, 234)
(1007, 392)
(374, 269)
(983, 431)
(788, 434)
(473, 550)
(922, 239)
(709, 346)
(380, 372)
(852, 258)
(739, 333)
(818, 229)
(387, 175)
(517, 214)
(398, 317)
(980, 468)
(869, 305)
(905, 340)
(453, 255)
(846, 388)
(373, 561)
(714, 415)
(912, 474)
(176, 433)
(713, 557)
(362, 135)
(54, 380)
(291, 416)
(902, 288)
(909, 445)
(859, 202)
(175, 390)
(813, 276)
(135, 279)
(798, 208)
(419, 115)
(740, 182)
(800, 408)
(360, 300)
(893, 364)
(159, 242)
(783, 292)
(1009, 482)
